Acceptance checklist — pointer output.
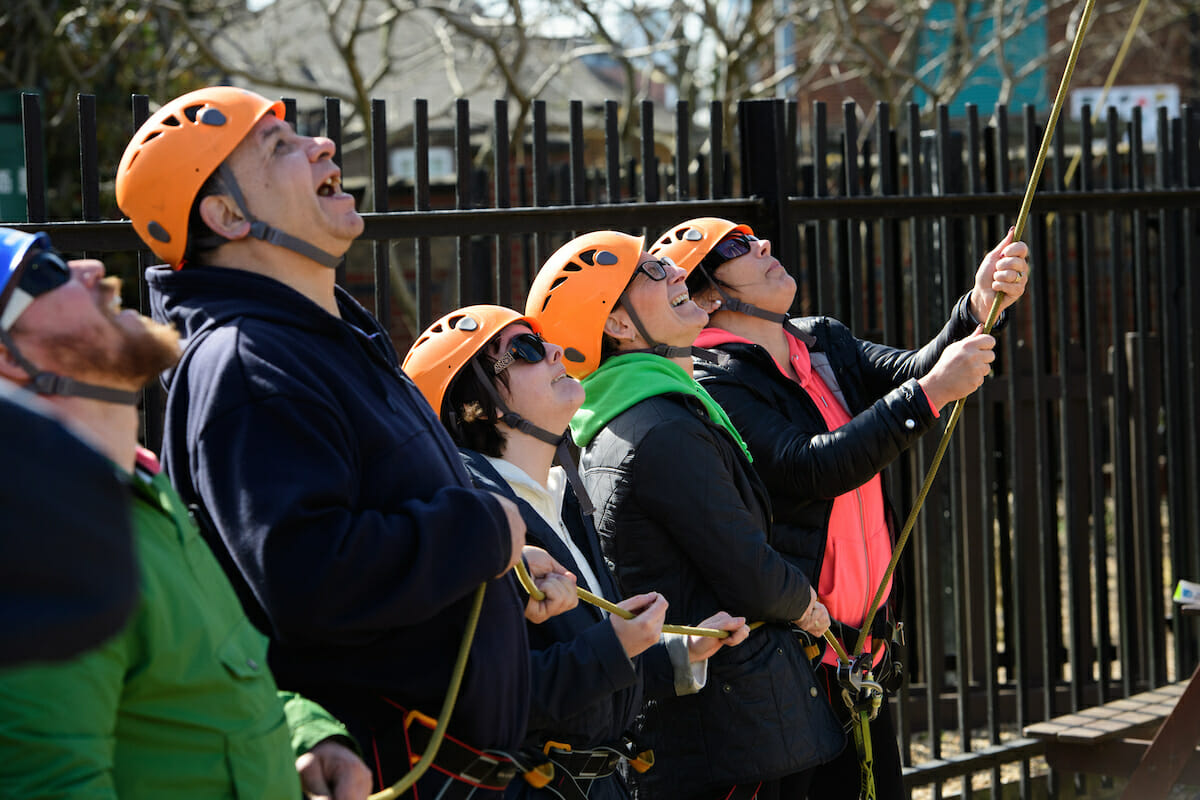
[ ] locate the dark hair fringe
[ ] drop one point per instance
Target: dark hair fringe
(469, 413)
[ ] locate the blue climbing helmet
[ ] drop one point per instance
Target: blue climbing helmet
(29, 267)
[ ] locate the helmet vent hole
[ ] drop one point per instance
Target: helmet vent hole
(557, 283)
(158, 232)
(571, 266)
(191, 111)
(172, 121)
(573, 355)
(212, 116)
(587, 257)
(153, 135)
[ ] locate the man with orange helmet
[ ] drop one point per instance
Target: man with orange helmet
(337, 503)
(823, 413)
(179, 703)
(506, 398)
(681, 511)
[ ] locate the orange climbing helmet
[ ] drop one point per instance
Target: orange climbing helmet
(577, 288)
(689, 242)
(447, 345)
(174, 153)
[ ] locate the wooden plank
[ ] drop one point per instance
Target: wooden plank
(1129, 717)
(1173, 748)
(1118, 758)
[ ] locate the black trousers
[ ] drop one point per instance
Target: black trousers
(840, 778)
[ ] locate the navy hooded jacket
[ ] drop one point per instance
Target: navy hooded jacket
(342, 512)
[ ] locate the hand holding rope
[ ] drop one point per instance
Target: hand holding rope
(612, 608)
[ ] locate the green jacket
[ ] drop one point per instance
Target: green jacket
(180, 704)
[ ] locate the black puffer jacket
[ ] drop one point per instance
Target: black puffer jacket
(802, 463)
(681, 511)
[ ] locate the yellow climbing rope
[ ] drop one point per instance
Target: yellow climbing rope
(600, 602)
(435, 740)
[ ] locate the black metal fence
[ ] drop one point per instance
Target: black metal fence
(1039, 575)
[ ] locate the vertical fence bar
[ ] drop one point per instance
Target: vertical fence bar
(503, 199)
(1172, 359)
(289, 111)
(1075, 532)
(1122, 513)
(889, 254)
(649, 159)
(854, 284)
(35, 157)
(716, 138)
(541, 177)
(822, 289)
(1151, 634)
(89, 164)
(1094, 372)
(683, 124)
(978, 640)
(381, 250)
(612, 150)
(421, 202)
(578, 177)
(464, 270)
(1045, 530)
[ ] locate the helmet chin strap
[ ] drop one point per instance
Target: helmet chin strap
(731, 303)
(261, 230)
(49, 383)
(560, 441)
(664, 350)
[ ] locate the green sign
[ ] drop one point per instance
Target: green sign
(12, 158)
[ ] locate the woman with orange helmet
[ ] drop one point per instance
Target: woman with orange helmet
(502, 391)
(823, 412)
(682, 511)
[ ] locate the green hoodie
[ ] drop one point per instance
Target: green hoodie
(624, 381)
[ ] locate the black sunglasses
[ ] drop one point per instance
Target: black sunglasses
(732, 247)
(655, 270)
(528, 347)
(45, 272)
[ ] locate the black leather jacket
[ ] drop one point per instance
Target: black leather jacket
(681, 511)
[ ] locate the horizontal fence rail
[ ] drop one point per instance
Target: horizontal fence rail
(1039, 577)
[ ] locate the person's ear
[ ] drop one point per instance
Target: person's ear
(708, 300)
(223, 216)
(619, 326)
